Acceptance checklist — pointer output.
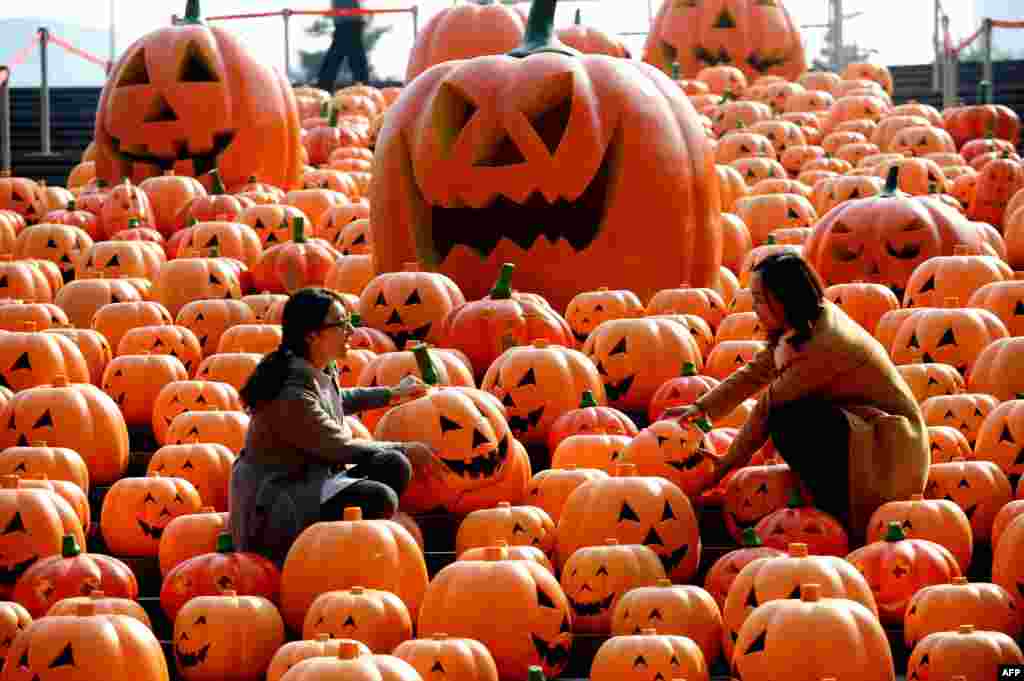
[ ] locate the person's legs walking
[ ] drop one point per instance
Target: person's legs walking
(357, 60)
(332, 61)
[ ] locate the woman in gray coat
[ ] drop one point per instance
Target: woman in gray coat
(301, 464)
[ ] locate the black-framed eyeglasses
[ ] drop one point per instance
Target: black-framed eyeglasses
(345, 324)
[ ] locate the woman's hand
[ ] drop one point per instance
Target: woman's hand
(422, 458)
(686, 412)
(409, 388)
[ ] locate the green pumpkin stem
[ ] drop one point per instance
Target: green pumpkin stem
(502, 289)
(332, 118)
(750, 538)
(770, 241)
(675, 70)
(69, 547)
(540, 32)
(217, 186)
(71, 206)
(796, 500)
(587, 400)
(225, 544)
(355, 319)
(892, 182)
(895, 532)
(192, 12)
(579, 17)
(428, 372)
(298, 230)
(703, 423)
(689, 369)
(535, 673)
(133, 223)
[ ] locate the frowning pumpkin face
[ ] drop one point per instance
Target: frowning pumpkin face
(486, 143)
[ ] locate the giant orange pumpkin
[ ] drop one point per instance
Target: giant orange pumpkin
(514, 159)
(755, 36)
(191, 98)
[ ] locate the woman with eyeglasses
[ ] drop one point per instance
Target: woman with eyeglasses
(300, 464)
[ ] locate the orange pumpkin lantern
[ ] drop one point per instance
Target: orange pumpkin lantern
(516, 167)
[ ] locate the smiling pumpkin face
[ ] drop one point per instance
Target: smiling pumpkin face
(481, 147)
(754, 492)
(215, 636)
(683, 454)
(980, 488)
(137, 510)
(172, 103)
(596, 577)
(409, 305)
(516, 525)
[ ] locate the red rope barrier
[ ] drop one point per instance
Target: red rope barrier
(996, 23)
(23, 54)
(103, 63)
(1006, 23)
(307, 12)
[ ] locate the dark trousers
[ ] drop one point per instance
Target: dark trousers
(346, 44)
(813, 437)
(383, 478)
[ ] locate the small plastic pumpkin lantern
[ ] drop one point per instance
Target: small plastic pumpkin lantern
(596, 577)
(72, 573)
(931, 379)
(410, 304)
(190, 535)
(136, 511)
(634, 510)
(800, 523)
(589, 308)
(938, 520)
(294, 652)
(207, 465)
(897, 567)
(226, 636)
(590, 418)
(946, 607)
(639, 656)
(398, 568)
(87, 645)
(679, 452)
(966, 650)
(676, 609)
(1001, 438)
(753, 493)
(534, 604)
(210, 573)
(374, 617)
(847, 637)
(723, 572)
(38, 460)
(980, 488)
(550, 488)
(103, 605)
(458, 659)
(517, 525)
(14, 619)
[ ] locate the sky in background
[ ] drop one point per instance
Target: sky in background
(901, 31)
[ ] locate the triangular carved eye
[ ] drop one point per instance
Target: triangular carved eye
(135, 71)
(543, 600)
(627, 513)
(414, 298)
(528, 378)
(758, 644)
(619, 349)
(1006, 435)
(196, 67)
(552, 120)
(453, 110)
(668, 514)
(46, 420)
(928, 285)
(447, 424)
(160, 111)
(380, 299)
(947, 338)
(66, 657)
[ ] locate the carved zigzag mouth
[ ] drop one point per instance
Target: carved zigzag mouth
(521, 424)
(591, 609)
(689, 463)
(554, 656)
(482, 466)
(191, 659)
(202, 162)
(481, 229)
(150, 530)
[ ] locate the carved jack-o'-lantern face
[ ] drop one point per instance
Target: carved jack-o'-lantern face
(487, 184)
(409, 305)
(173, 102)
(753, 493)
(954, 336)
(963, 411)
(882, 239)
(14, 619)
(683, 454)
(633, 510)
(595, 577)
(758, 37)
(980, 488)
(137, 510)
(24, 197)
(588, 309)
